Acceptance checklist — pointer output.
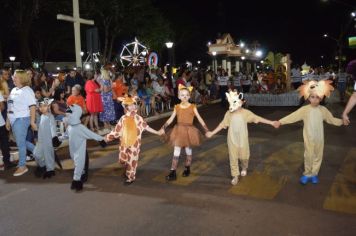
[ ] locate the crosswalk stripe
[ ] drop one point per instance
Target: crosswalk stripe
(342, 193)
(146, 156)
(97, 152)
(202, 162)
(266, 183)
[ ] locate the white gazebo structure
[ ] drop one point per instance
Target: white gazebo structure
(234, 57)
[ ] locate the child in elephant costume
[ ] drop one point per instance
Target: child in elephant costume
(47, 139)
(78, 135)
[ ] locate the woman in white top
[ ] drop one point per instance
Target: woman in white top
(21, 110)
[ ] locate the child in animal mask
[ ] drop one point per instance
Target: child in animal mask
(236, 119)
(47, 139)
(313, 116)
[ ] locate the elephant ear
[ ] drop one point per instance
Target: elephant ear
(241, 96)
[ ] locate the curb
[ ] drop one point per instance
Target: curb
(168, 113)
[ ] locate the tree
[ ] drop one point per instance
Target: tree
(22, 15)
(127, 18)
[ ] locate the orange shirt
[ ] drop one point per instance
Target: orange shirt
(79, 100)
(119, 88)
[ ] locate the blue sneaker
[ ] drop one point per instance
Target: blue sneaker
(304, 179)
(314, 179)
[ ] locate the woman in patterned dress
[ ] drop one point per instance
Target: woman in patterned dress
(108, 114)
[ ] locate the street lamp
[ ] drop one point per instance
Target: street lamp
(169, 44)
(12, 59)
(339, 46)
(170, 63)
(258, 53)
(214, 61)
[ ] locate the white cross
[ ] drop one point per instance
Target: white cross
(76, 21)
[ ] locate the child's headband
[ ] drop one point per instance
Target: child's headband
(180, 87)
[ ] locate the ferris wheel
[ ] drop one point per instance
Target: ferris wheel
(133, 54)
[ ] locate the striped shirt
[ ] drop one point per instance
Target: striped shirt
(223, 80)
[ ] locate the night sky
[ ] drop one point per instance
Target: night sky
(294, 27)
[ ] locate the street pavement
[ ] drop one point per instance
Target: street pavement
(268, 201)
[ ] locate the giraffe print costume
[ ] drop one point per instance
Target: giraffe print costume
(129, 150)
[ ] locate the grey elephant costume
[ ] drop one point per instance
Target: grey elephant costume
(44, 151)
(78, 135)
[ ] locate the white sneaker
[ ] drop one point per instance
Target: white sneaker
(243, 172)
(235, 180)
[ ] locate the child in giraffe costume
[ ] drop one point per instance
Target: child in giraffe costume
(313, 116)
(129, 130)
(237, 137)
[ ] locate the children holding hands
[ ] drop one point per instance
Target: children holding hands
(129, 130)
(184, 134)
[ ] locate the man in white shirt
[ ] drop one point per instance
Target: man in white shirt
(223, 80)
(341, 79)
(296, 77)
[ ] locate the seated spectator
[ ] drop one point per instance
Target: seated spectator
(254, 87)
(144, 99)
(263, 88)
(153, 96)
(279, 87)
(46, 85)
(59, 105)
(77, 98)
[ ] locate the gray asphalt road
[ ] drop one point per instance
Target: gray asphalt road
(269, 201)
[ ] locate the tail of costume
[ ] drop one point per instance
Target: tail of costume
(58, 161)
(84, 177)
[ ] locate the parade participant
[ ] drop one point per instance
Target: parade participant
(129, 130)
(184, 134)
(78, 135)
(47, 136)
(236, 119)
(313, 116)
